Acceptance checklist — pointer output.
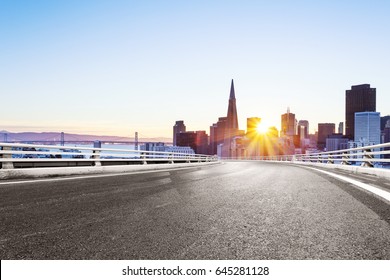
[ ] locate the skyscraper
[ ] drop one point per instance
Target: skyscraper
(341, 128)
(202, 143)
(232, 119)
(197, 140)
(367, 128)
(360, 98)
(186, 139)
(177, 128)
(231, 129)
(251, 126)
(324, 131)
(384, 121)
(303, 129)
(253, 138)
(288, 124)
(386, 138)
(217, 135)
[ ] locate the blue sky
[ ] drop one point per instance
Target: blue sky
(116, 67)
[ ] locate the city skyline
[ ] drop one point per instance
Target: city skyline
(120, 67)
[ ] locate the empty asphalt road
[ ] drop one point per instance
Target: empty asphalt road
(234, 210)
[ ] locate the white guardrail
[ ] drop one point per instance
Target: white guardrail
(30, 155)
(367, 156)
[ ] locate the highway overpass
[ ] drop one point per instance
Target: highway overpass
(231, 210)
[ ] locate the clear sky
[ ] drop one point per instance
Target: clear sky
(116, 67)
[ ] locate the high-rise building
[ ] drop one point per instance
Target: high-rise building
(253, 138)
(367, 128)
(360, 98)
(186, 139)
(386, 139)
(177, 128)
(271, 145)
(303, 129)
(198, 141)
(384, 121)
(217, 135)
(324, 130)
(288, 124)
(251, 127)
(336, 141)
(232, 118)
(273, 132)
(341, 128)
(202, 142)
(231, 129)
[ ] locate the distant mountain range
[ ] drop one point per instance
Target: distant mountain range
(56, 137)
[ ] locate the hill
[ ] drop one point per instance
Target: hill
(56, 137)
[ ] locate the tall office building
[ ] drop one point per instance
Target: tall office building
(231, 129)
(202, 142)
(186, 139)
(254, 140)
(217, 135)
(251, 127)
(177, 128)
(367, 128)
(336, 141)
(360, 98)
(232, 119)
(384, 121)
(386, 138)
(341, 128)
(303, 129)
(288, 124)
(324, 130)
(197, 140)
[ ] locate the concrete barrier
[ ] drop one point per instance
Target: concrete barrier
(28, 173)
(379, 172)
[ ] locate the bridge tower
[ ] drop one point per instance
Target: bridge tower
(136, 141)
(62, 139)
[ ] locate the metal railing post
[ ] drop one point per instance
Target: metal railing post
(345, 159)
(7, 165)
(143, 157)
(171, 158)
(96, 156)
(330, 160)
(367, 159)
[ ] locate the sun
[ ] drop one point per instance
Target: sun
(261, 128)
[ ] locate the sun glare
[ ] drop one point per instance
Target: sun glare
(261, 128)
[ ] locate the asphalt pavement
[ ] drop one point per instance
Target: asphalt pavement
(234, 210)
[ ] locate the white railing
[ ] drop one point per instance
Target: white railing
(31, 155)
(367, 156)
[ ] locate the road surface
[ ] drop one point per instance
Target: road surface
(234, 210)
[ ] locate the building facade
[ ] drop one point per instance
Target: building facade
(336, 141)
(177, 128)
(367, 128)
(217, 135)
(253, 138)
(288, 124)
(384, 121)
(360, 98)
(231, 129)
(197, 140)
(324, 130)
(340, 129)
(303, 129)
